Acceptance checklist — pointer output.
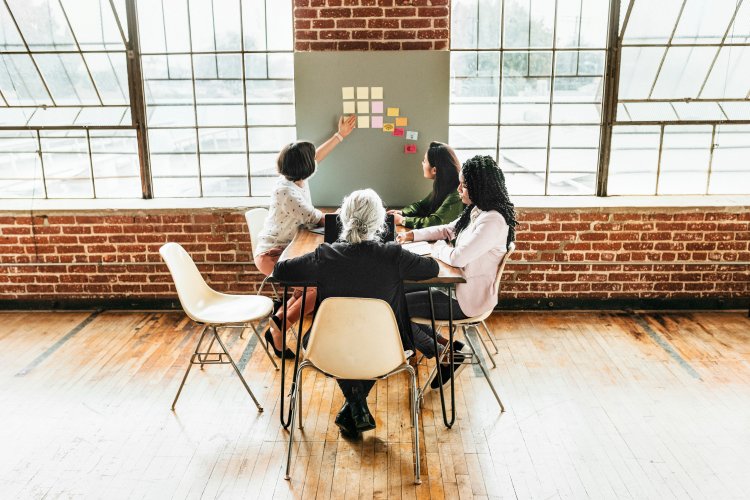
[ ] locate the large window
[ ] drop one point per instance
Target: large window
(217, 87)
(528, 88)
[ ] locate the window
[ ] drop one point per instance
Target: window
(527, 87)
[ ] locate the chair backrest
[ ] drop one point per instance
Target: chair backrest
(501, 266)
(255, 219)
(355, 338)
(192, 289)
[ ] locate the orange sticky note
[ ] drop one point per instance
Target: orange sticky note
(398, 132)
(402, 122)
(393, 112)
(388, 127)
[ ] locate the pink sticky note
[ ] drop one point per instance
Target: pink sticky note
(398, 131)
(410, 149)
(377, 106)
(376, 121)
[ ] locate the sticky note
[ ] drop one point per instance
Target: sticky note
(402, 121)
(363, 92)
(399, 132)
(412, 135)
(377, 106)
(392, 111)
(347, 92)
(363, 122)
(410, 149)
(376, 121)
(363, 107)
(388, 127)
(348, 107)
(376, 92)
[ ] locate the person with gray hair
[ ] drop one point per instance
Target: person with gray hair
(360, 265)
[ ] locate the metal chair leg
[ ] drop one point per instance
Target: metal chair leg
(190, 365)
(489, 334)
(208, 351)
(293, 408)
(237, 370)
(415, 422)
(262, 341)
(486, 375)
(484, 344)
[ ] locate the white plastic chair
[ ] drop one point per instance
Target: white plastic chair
(212, 309)
(355, 339)
(255, 218)
(474, 321)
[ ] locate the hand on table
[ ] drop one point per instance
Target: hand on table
(404, 237)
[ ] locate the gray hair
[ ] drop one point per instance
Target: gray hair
(362, 216)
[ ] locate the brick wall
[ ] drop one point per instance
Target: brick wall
(371, 25)
(580, 257)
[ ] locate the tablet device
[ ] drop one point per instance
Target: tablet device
(332, 228)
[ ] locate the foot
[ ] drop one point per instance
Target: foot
(363, 419)
(288, 354)
(459, 356)
(345, 423)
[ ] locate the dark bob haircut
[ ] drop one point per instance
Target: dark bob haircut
(297, 160)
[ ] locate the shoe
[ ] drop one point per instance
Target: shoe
(363, 419)
(288, 354)
(277, 304)
(345, 423)
(460, 353)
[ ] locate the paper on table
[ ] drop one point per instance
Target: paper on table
(363, 92)
(377, 106)
(347, 92)
(376, 121)
(363, 107)
(376, 92)
(393, 111)
(349, 107)
(363, 122)
(418, 247)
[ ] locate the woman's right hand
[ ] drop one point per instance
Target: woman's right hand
(346, 124)
(405, 237)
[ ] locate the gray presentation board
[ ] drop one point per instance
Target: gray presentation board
(416, 82)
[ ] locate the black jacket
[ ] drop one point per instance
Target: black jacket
(369, 269)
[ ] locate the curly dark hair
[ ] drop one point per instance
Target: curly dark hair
(485, 183)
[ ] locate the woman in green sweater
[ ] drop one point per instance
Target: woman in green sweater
(442, 205)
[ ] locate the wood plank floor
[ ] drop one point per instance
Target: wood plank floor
(600, 405)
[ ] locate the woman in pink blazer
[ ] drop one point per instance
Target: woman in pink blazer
(475, 242)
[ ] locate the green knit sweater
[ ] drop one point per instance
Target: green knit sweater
(417, 215)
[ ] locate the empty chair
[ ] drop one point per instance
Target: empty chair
(212, 309)
(369, 324)
(474, 321)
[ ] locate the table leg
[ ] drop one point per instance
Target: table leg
(448, 423)
(283, 365)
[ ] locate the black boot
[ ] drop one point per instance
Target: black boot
(345, 423)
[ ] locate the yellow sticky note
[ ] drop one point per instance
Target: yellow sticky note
(363, 92)
(376, 92)
(388, 127)
(402, 122)
(349, 107)
(347, 92)
(393, 112)
(363, 122)
(363, 107)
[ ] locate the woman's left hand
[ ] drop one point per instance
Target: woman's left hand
(346, 124)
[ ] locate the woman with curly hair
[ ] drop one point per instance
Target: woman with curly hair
(443, 204)
(475, 242)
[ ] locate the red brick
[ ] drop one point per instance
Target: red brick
(383, 23)
(400, 12)
(367, 35)
(302, 24)
(399, 35)
(416, 23)
(385, 46)
(433, 12)
(305, 13)
(323, 24)
(323, 45)
(416, 45)
(352, 45)
(367, 12)
(334, 35)
(335, 13)
(351, 23)
(307, 35)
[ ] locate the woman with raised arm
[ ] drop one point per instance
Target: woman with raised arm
(291, 207)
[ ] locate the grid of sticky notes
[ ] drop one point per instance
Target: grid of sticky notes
(367, 104)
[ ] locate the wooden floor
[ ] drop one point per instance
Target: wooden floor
(599, 405)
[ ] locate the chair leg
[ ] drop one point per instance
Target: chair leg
(208, 351)
(237, 370)
(296, 398)
(415, 423)
(262, 341)
(190, 365)
(484, 344)
(486, 375)
(489, 334)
